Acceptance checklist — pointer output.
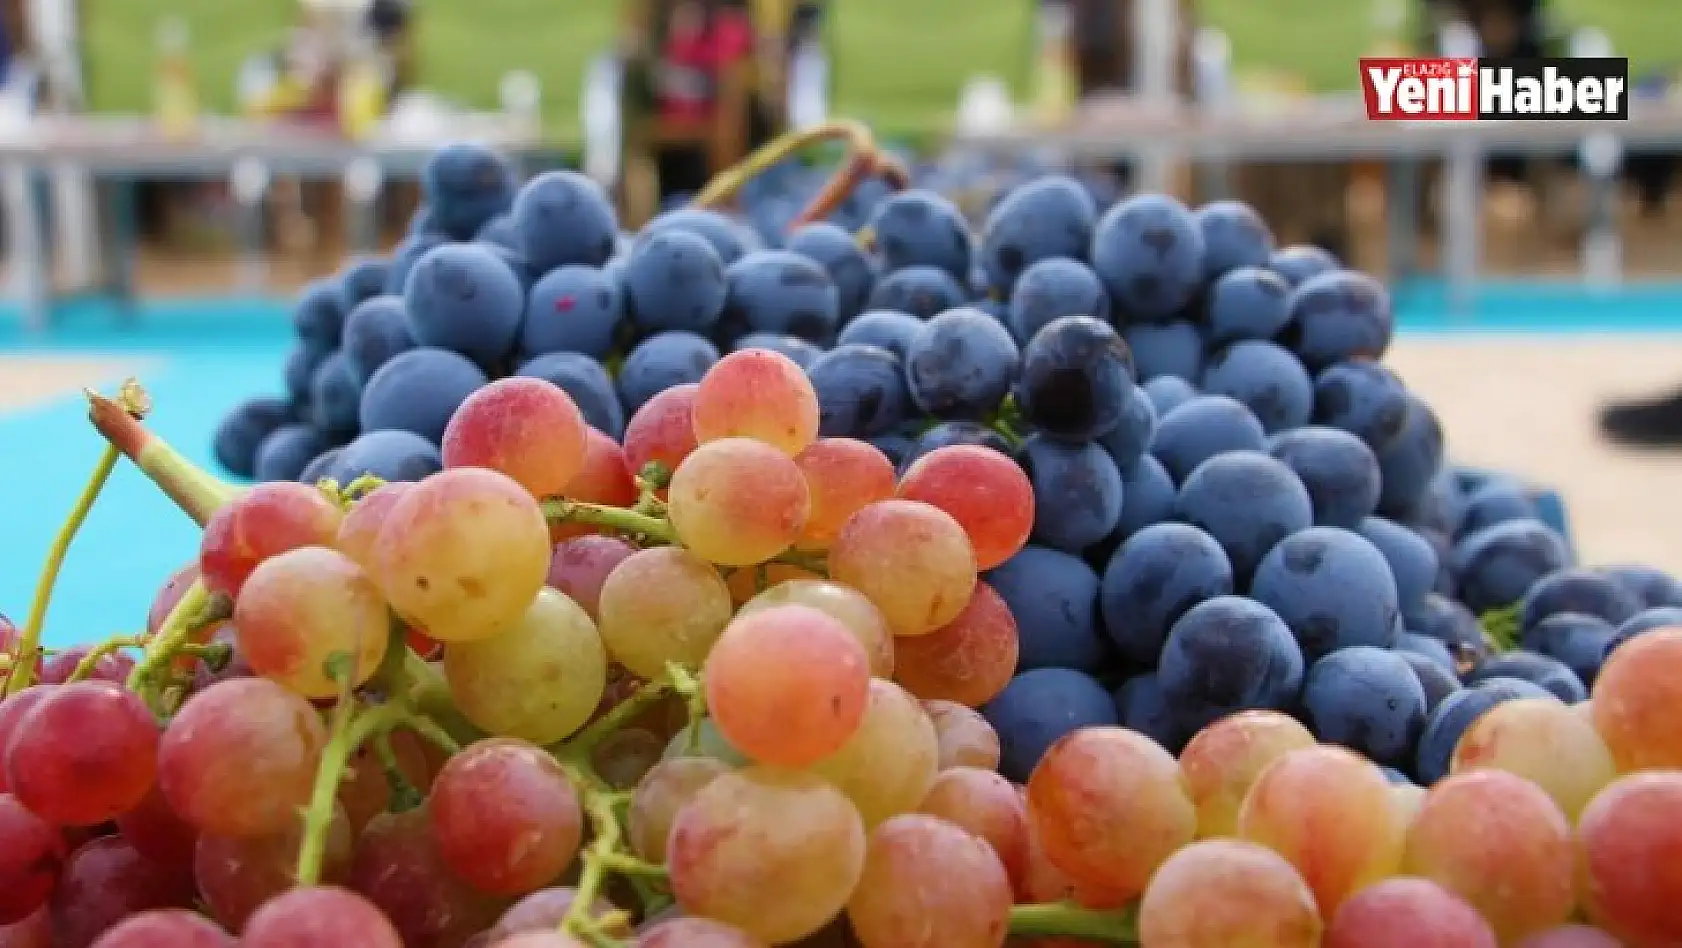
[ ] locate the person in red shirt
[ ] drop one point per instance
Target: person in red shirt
(702, 40)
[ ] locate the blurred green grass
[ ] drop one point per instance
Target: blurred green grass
(898, 63)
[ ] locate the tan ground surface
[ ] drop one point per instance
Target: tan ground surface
(1523, 404)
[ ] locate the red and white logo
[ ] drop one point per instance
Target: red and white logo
(1420, 89)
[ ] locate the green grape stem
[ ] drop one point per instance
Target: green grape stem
(585, 742)
(603, 850)
(694, 703)
(350, 731)
(1067, 920)
(23, 668)
(90, 662)
(196, 491)
(196, 609)
(561, 510)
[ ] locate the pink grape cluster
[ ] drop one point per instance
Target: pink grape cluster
(716, 687)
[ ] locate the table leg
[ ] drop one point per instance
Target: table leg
(30, 267)
(1401, 215)
(1462, 216)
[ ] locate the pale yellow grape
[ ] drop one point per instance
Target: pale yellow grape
(300, 609)
(738, 502)
(1226, 757)
(911, 559)
(658, 797)
(773, 852)
(663, 604)
(539, 678)
(1544, 741)
(1224, 893)
(964, 736)
(890, 762)
(462, 553)
(845, 604)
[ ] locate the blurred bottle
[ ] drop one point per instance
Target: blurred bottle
(362, 90)
(175, 98)
(1056, 85)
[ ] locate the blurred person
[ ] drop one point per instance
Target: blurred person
(699, 42)
(389, 22)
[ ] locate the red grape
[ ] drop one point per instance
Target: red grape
(964, 737)
(506, 818)
(31, 851)
(913, 561)
(154, 829)
(1407, 913)
(1222, 893)
(526, 428)
(236, 875)
(366, 790)
(1499, 842)
(269, 518)
(85, 753)
(842, 475)
(1629, 849)
(106, 881)
(658, 797)
(240, 757)
(169, 594)
(165, 928)
(544, 910)
(844, 604)
(787, 685)
(1544, 741)
(36, 931)
(758, 394)
(1109, 805)
(738, 502)
(968, 660)
(983, 490)
(604, 479)
(462, 554)
(929, 884)
(1635, 702)
(696, 933)
(362, 523)
(302, 609)
(1223, 761)
(540, 940)
(12, 711)
(57, 668)
(988, 806)
(662, 430)
(320, 916)
(1570, 936)
(580, 565)
(399, 869)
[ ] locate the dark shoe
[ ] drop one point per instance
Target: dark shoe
(1653, 423)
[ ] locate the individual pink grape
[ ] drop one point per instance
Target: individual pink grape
(237, 875)
(623, 757)
(527, 428)
(12, 711)
(1223, 760)
(658, 797)
(59, 667)
(929, 884)
(1629, 850)
(1407, 913)
(157, 832)
(544, 910)
(318, 917)
(773, 852)
(399, 868)
(239, 758)
(758, 394)
(696, 933)
(366, 790)
(166, 598)
(580, 565)
(965, 738)
(266, 520)
(31, 852)
(888, 765)
(968, 660)
(663, 430)
(787, 685)
(83, 754)
(1329, 813)
(738, 502)
(462, 554)
(843, 476)
(605, 478)
(1109, 806)
(1226, 893)
(842, 603)
(1635, 702)
(659, 605)
(1570, 936)
(986, 805)
(166, 928)
(984, 491)
(1499, 842)
(362, 523)
(540, 940)
(913, 561)
(312, 620)
(36, 931)
(105, 881)
(506, 818)
(1543, 741)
